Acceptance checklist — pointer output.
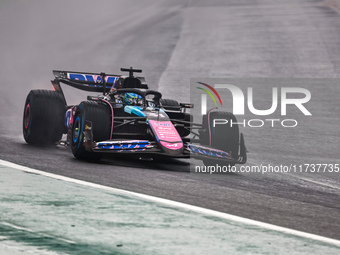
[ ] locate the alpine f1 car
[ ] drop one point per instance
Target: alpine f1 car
(126, 118)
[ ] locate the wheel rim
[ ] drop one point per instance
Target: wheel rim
(27, 116)
(76, 129)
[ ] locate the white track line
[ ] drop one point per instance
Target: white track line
(179, 205)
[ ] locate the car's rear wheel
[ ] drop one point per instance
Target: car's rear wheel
(170, 104)
(100, 116)
(224, 137)
(173, 105)
(43, 119)
(185, 131)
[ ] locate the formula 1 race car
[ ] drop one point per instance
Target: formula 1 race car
(127, 118)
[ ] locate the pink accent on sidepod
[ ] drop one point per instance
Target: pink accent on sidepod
(167, 134)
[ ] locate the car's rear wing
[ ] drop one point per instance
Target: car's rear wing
(97, 82)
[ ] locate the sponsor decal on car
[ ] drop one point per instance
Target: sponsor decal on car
(167, 134)
(133, 145)
(208, 151)
(92, 78)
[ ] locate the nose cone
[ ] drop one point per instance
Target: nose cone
(167, 137)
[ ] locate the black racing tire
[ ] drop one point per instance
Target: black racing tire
(43, 119)
(224, 137)
(170, 104)
(100, 116)
(185, 131)
(173, 105)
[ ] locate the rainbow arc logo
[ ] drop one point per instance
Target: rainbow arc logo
(204, 98)
(209, 93)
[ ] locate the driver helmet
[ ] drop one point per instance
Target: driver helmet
(133, 99)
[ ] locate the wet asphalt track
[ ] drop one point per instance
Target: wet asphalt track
(173, 41)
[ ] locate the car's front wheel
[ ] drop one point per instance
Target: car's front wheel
(100, 116)
(224, 136)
